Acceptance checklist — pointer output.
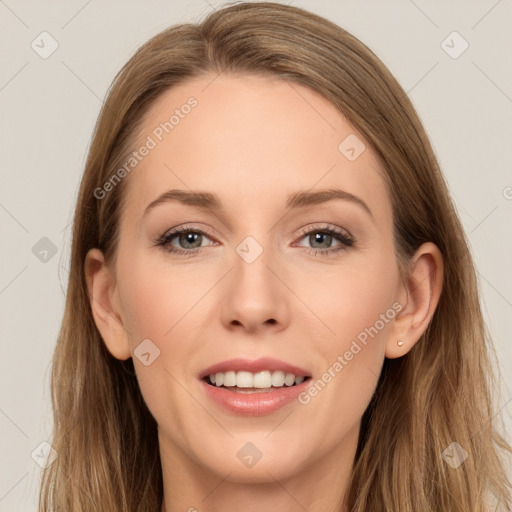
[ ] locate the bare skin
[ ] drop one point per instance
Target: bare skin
(253, 141)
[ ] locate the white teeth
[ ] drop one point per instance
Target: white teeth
(278, 379)
(230, 379)
(289, 379)
(244, 380)
(263, 379)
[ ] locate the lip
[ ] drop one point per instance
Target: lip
(264, 363)
(256, 403)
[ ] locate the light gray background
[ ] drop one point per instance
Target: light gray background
(49, 107)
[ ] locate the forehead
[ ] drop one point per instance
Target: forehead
(251, 140)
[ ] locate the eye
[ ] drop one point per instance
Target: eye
(189, 238)
(321, 239)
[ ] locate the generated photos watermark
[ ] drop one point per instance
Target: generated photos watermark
(152, 141)
(355, 348)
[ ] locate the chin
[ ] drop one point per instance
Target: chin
(254, 462)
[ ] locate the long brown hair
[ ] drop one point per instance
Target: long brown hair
(442, 391)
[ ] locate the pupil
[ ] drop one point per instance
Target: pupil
(318, 238)
(189, 237)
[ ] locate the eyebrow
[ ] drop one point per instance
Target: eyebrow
(300, 199)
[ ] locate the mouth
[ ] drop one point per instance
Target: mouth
(260, 382)
(253, 387)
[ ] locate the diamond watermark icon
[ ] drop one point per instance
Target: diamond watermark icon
(44, 250)
(146, 352)
(351, 147)
(454, 45)
(44, 45)
(249, 249)
(454, 455)
(249, 454)
(44, 455)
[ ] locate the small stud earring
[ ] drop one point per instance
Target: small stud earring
(399, 343)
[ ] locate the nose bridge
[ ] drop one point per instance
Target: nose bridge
(253, 258)
(254, 294)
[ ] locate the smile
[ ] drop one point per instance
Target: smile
(253, 387)
(260, 381)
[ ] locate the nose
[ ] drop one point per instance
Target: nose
(255, 298)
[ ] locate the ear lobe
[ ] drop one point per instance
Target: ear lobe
(420, 296)
(102, 291)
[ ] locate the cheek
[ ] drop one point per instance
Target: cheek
(360, 313)
(153, 298)
(145, 309)
(359, 310)
(351, 298)
(155, 305)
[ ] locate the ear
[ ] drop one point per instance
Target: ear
(105, 304)
(419, 296)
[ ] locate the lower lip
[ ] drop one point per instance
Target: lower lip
(254, 404)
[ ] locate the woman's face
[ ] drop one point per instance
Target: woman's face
(314, 285)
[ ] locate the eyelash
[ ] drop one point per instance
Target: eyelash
(342, 236)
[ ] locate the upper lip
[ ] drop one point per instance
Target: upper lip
(254, 366)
